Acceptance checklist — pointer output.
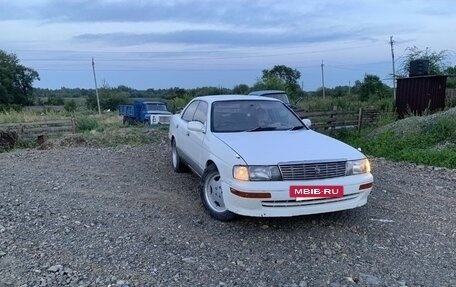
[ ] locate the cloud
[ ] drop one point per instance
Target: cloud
(234, 11)
(216, 37)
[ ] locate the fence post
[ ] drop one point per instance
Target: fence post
(360, 119)
(21, 131)
(73, 125)
(44, 125)
(332, 118)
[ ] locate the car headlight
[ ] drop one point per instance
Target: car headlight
(357, 167)
(257, 172)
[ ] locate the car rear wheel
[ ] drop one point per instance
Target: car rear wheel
(212, 195)
(178, 166)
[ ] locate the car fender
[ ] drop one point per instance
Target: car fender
(222, 155)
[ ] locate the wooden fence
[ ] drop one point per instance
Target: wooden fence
(41, 130)
(341, 119)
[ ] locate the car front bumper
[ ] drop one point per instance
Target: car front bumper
(282, 205)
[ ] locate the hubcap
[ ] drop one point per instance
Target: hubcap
(214, 194)
(174, 155)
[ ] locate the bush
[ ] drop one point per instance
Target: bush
(87, 123)
(10, 107)
(54, 100)
(8, 139)
(70, 106)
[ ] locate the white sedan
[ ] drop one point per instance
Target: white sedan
(256, 157)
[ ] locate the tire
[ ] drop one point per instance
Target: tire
(212, 196)
(176, 161)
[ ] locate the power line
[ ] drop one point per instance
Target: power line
(254, 54)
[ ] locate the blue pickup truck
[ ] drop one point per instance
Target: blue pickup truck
(148, 112)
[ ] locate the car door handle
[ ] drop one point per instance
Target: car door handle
(188, 133)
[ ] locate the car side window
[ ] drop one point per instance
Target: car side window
(201, 113)
(190, 111)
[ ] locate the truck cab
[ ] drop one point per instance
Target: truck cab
(152, 112)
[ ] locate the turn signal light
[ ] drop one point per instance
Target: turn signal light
(250, 194)
(366, 186)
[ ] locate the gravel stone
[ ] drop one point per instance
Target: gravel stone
(369, 279)
(121, 217)
(55, 268)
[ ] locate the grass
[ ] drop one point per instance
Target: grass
(346, 103)
(30, 116)
(429, 140)
(432, 143)
(108, 130)
(94, 130)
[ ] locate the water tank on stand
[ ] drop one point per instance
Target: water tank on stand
(419, 67)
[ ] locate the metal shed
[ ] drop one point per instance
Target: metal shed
(418, 94)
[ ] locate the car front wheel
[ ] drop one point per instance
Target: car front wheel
(212, 194)
(178, 166)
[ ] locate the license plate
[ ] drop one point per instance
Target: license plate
(307, 192)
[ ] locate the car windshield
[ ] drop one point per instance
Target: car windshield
(252, 116)
(156, 107)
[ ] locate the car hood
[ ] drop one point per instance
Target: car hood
(272, 147)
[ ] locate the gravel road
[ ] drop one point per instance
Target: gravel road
(85, 216)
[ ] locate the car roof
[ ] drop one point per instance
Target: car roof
(267, 92)
(217, 98)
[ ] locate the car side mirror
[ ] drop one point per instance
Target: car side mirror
(196, 126)
(307, 122)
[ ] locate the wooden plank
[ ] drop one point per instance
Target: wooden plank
(48, 129)
(329, 113)
(34, 136)
(336, 123)
(48, 123)
(53, 122)
(9, 125)
(52, 128)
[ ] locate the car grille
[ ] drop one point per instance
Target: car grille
(312, 170)
(315, 201)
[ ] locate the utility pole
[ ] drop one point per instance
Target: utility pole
(349, 88)
(322, 79)
(394, 69)
(96, 88)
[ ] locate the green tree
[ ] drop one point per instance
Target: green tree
(177, 103)
(340, 91)
(269, 83)
(371, 88)
(55, 100)
(70, 106)
(16, 81)
(437, 60)
(110, 98)
(241, 89)
(281, 77)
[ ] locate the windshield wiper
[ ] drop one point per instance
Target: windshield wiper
(296, 128)
(261, 129)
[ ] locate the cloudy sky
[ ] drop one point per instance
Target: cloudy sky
(189, 43)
